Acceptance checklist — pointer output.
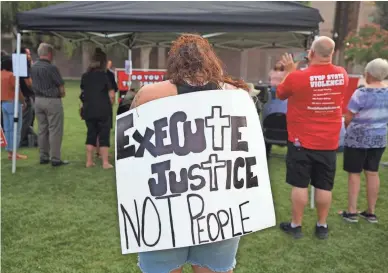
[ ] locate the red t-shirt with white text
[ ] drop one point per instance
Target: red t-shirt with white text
(314, 114)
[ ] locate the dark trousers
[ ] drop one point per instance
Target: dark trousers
(28, 118)
(50, 117)
(98, 127)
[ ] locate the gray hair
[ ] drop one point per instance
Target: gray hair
(378, 69)
(45, 49)
(323, 46)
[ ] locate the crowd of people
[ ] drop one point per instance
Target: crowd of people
(40, 97)
(314, 120)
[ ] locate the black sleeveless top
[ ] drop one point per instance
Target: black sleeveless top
(186, 88)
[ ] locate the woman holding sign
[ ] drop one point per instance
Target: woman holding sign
(192, 66)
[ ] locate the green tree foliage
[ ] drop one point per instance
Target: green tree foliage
(8, 25)
(306, 3)
(10, 9)
(370, 42)
(382, 13)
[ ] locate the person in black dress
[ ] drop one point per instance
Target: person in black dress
(112, 80)
(97, 97)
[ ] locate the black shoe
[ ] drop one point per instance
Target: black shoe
(371, 218)
(296, 232)
(349, 217)
(44, 161)
(322, 232)
(59, 163)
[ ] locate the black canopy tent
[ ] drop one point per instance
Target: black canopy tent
(230, 25)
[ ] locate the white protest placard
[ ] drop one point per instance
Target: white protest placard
(19, 65)
(128, 67)
(191, 169)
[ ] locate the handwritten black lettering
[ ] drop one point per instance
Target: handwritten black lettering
(232, 224)
(148, 199)
(236, 144)
(194, 177)
(223, 223)
(239, 163)
(196, 141)
(169, 197)
(217, 223)
(243, 219)
(196, 216)
(124, 149)
(136, 232)
(218, 123)
(200, 230)
(160, 136)
(174, 134)
(228, 174)
(252, 181)
(159, 187)
(212, 165)
(145, 143)
(179, 186)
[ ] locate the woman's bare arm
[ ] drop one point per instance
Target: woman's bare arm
(152, 92)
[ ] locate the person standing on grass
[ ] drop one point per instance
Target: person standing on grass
(314, 121)
(112, 80)
(49, 90)
(8, 106)
(97, 96)
(192, 66)
(26, 89)
(366, 139)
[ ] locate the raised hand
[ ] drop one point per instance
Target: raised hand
(288, 62)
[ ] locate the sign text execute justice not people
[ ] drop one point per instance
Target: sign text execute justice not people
(191, 169)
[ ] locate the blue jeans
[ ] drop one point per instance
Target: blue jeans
(7, 108)
(218, 257)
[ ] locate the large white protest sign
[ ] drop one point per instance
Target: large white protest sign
(191, 169)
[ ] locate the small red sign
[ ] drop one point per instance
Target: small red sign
(138, 75)
(3, 140)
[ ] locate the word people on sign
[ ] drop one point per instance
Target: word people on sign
(143, 76)
(189, 175)
(3, 140)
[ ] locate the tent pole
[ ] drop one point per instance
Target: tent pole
(16, 105)
(130, 68)
(312, 193)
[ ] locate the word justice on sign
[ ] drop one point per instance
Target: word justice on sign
(198, 174)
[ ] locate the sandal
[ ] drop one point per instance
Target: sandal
(371, 218)
(349, 217)
(18, 156)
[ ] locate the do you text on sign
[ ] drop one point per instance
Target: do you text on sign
(191, 169)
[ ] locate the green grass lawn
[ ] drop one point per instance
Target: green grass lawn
(57, 220)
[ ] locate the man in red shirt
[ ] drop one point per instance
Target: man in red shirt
(314, 120)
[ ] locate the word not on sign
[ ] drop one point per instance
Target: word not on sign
(191, 173)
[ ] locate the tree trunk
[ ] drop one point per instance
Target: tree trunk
(346, 21)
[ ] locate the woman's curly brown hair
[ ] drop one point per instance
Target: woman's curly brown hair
(192, 59)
